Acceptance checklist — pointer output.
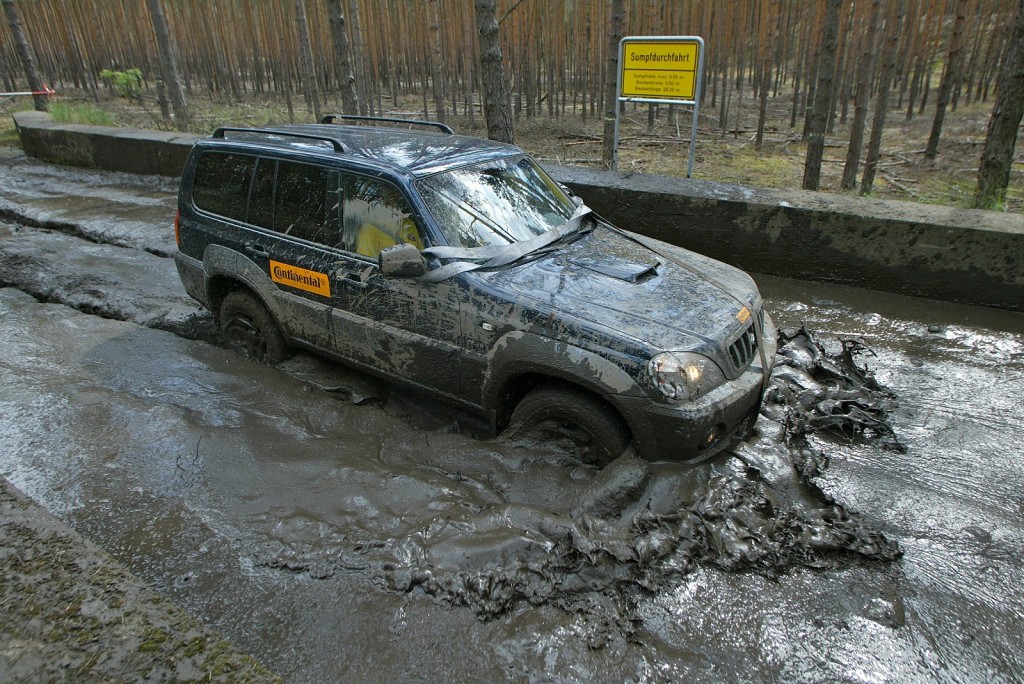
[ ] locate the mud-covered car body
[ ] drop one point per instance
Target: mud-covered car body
(606, 311)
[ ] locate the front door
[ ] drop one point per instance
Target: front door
(398, 327)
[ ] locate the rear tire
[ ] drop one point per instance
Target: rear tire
(573, 418)
(248, 327)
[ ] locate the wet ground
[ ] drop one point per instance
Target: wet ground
(339, 529)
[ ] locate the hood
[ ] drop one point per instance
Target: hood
(611, 280)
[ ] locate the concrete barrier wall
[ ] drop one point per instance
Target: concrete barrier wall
(960, 255)
(132, 150)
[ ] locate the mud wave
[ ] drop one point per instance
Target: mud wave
(637, 527)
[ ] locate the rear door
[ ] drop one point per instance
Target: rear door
(295, 219)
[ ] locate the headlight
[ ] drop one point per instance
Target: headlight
(682, 375)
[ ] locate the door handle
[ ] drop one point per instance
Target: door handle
(256, 248)
(356, 277)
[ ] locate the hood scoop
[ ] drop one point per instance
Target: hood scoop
(620, 269)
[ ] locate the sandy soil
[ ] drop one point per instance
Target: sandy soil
(69, 612)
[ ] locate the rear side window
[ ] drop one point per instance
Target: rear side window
(221, 183)
(300, 200)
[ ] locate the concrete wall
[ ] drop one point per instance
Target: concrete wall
(959, 255)
(119, 149)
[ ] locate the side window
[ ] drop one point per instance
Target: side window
(261, 206)
(377, 215)
(221, 183)
(300, 205)
(301, 200)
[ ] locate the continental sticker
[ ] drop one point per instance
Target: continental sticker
(300, 278)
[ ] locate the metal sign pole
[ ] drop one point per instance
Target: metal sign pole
(696, 109)
(618, 109)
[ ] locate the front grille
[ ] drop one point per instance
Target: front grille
(741, 352)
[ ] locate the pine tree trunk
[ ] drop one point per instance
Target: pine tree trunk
(770, 10)
(28, 60)
(309, 84)
(822, 97)
(496, 105)
(949, 78)
(893, 29)
(436, 61)
(997, 156)
(347, 81)
(865, 70)
(168, 64)
(611, 99)
(357, 52)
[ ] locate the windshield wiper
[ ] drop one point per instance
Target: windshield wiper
(496, 256)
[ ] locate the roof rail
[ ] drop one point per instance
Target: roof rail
(331, 118)
(219, 133)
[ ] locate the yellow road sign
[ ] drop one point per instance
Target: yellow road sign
(660, 70)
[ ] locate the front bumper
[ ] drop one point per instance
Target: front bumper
(697, 430)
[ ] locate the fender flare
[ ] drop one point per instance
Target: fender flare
(516, 354)
(222, 262)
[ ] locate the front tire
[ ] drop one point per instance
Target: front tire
(248, 327)
(572, 418)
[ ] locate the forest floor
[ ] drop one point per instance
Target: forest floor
(731, 157)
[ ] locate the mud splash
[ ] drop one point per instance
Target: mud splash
(636, 525)
(813, 390)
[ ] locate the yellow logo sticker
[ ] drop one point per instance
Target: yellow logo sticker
(300, 278)
(743, 315)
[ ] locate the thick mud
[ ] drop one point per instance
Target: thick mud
(119, 209)
(339, 528)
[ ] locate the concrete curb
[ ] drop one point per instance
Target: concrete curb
(155, 153)
(958, 255)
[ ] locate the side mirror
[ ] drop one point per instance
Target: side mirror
(578, 201)
(402, 261)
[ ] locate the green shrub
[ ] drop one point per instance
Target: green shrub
(127, 83)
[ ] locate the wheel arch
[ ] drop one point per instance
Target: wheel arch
(521, 362)
(518, 386)
(227, 271)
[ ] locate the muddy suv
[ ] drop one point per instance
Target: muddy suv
(457, 266)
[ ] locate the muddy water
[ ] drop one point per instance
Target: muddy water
(359, 532)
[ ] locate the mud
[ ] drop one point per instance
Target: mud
(100, 279)
(338, 528)
(99, 206)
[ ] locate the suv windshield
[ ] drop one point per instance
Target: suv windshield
(495, 203)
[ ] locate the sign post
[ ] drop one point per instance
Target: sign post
(660, 70)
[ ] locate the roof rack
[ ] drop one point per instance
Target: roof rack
(444, 128)
(338, 147)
